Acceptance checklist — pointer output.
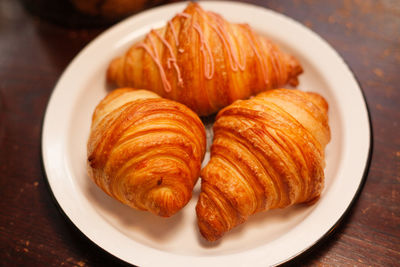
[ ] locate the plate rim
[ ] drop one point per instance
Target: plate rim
(144, 13)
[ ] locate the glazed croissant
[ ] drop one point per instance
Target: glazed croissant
(267, 153)
(145, 151)
(203, 61)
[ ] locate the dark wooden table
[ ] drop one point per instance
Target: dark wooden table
(34, 51)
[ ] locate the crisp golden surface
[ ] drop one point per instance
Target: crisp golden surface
(145, 151)
(203, 61)
(267, 153)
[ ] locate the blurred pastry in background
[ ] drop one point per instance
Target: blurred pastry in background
(113, 9)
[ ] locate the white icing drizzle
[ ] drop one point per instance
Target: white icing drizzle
(206, 51)
(171, 26)
(186, 16)
(172, 57)
(208, 67)
(183, 14)
(156, 59)
(222, 34)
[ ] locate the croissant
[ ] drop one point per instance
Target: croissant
(203, 61)
(145, 151)
(267, 153)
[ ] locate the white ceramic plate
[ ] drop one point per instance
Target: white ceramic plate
(143, 239)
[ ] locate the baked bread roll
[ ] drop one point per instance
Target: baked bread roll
(203, 61)
(267, 153)
(145, 151)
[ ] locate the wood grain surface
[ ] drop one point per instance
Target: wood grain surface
(34, 51)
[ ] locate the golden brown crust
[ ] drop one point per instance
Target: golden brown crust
(146, 151)
(204, 62)
(267, 153)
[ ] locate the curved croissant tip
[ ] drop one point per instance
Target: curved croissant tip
(318, 100)
(294, 72)
(207, 232)
(208, 219)
(113, 68)
(165, 202)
